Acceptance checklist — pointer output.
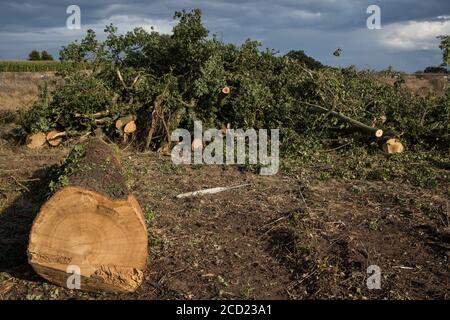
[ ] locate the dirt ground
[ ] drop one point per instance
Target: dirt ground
(282, 237)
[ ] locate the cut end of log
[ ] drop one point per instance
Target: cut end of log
(54, 138)
(226, 90)
(104, 239)
(130, 127)
(124, 120)
(393, 145)
(36, 140)
(91, 234)
(379, 133)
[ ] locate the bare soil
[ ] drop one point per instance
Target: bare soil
(282, 237)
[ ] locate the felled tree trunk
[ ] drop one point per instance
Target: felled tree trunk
(374, 132)
(93, 223)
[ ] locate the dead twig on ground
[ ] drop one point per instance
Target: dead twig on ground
(209, 191)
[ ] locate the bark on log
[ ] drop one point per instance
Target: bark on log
(100, 114)
(103, 120)
(95, 224)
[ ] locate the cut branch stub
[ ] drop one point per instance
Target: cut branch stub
(392, 145)
(130, 127)
(93, 225)
(371, 131)
(100, 114)
(54, 137)
(122, 121)
(103, 120)
(223, 93)
(226, 90)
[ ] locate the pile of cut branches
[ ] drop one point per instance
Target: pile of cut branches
(142, 85)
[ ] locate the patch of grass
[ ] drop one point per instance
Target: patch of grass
(418, 168)
(39, 66)
(4, 276)
(149, 214)
(34, 297)
(374, 225)
(247, 293)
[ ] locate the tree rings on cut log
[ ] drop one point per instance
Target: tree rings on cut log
(36, 140)
(54, 138)
(393, 145)
(105, 238)
(94, 225)
(122, 121)
(226, 90)
(379, 133)
(130, 127)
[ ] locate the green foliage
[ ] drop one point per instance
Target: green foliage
(80, 52)
(39, 66)
(432, 69)
(149, 214)
(80, 94)
(45, 56)
(337, 52)
(34, 55)
(301, 56)
(445, 47)
(187, 70)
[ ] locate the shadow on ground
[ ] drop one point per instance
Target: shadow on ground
(15, 226)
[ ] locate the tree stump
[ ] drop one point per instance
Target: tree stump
(92, 223)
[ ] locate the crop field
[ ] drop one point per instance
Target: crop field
(36, 66)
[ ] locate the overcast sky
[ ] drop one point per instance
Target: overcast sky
(407, 39)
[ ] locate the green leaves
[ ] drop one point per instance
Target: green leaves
(267, 91)
(79, 94)
(445, 47)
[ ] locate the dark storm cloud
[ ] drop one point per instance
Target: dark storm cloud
(317, 26)
(264, 13)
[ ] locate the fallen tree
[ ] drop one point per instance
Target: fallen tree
(371, 131)
(156, 83)
(93, 223)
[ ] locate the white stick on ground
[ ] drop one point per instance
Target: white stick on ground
(209, 191)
